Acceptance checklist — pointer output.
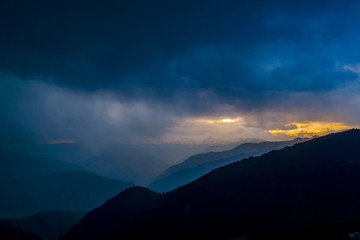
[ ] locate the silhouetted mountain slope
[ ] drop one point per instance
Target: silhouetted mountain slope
(114, 213)
(74, 190)
(200, 164)
(47, 225)
(309, 184)
(312, 185)
(8, 232)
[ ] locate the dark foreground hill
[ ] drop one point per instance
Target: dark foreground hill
(114, 214)
(8, 232)
(308, 191)
(47, 225)
(200, 164)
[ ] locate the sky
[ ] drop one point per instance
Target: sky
(100, 74)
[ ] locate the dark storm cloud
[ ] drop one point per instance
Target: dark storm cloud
(111, 75)
(189, 57)
(166, 47)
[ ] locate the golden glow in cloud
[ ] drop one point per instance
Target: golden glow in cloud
(310, 129)
(206, 130)
(225, 120)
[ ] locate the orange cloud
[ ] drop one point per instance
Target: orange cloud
(310, 129)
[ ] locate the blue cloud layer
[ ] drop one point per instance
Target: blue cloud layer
(164, 47)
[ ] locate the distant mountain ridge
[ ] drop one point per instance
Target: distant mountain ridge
(200, 164)
(29, 185)
(71, 190)
(284, 194)
(14, 165)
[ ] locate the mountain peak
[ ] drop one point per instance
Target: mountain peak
(114, 213)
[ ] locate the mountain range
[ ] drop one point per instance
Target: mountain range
(200, 164)
(308, 191)
(30, 185)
